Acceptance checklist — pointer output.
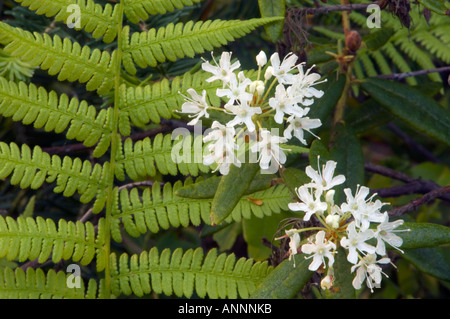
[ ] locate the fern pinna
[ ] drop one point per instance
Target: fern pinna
(105, 130)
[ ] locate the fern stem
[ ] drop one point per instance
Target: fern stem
(115, 140)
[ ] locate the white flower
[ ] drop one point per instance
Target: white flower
(324, 180)
(320, 249)
(243, 114)
(222, 71)
(196, 105)
(299, 124)
(367, 269)
(222, 149)
(261, 59)
(236, 88)
(294, 242)
(308, 204)
(354, 203)
(284, 103)
(281, 70)
(385, 234)
(364, 211)
(302, 85)
(357, 241)
(269, 149)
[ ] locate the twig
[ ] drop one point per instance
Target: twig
(335, 8)
(417, 187)
(412, 143)
(388, 172)
(400, 76)
(414, 204)
(136, 184)
(412, 186)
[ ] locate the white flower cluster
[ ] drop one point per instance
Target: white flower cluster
(350, 225)
(249, 106)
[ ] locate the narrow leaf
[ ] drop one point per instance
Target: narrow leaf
(269, 8)
(433, 261)
(437, 6)
(230, 190)
(347, 152)
(411, 106)
(285, 281)
(342, 285)
(423, 235)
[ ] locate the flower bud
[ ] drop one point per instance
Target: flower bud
(260, 88)
(329, 197)
(269, 73)
(353, 41)
(333, 221)
(327, 282)
(261, 59)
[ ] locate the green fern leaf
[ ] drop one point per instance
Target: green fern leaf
(180, 274)
(146, 157)
(177, 41)
(65, 57)
(30, 104)
(29, 239)
(33, 168)
(136, 10)
(140, 105)
(35, 284)
(101, 22)
(156, 208)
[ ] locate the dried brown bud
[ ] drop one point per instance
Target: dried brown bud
(353, 41)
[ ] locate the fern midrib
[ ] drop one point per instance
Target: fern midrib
(73, 116)
(184, 200)
(51, 237)
(241, 277)
(88, 180)
(142, 103)
(67, 56)
(107, 19)
(186, 35)
(41, 291)
(115, 142)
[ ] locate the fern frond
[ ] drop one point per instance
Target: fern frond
(101, 22)
(214, 276)
(32, 105)
(29, 239)
(35, 284)
(69, 59)
(177, 41)
(146, 157)
(136, 10)
(33, 168)
(155, 209)
(398, 59)
(434, 45)
(421, 57)
(140, 105)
